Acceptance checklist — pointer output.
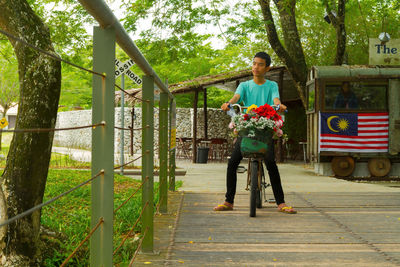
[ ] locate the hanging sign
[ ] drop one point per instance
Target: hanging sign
(173, 125)
(173, 138)
(387, 53)
(124, 68)
(3, 123)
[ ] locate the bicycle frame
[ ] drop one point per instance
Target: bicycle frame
(261, 176)
(255, 175)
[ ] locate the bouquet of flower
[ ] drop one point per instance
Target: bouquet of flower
(263, 120)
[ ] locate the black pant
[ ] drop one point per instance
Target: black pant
(274, 177)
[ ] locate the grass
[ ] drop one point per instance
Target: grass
(58, 160)
(69, 216)
(66, 222)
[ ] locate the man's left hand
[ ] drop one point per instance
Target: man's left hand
(282, 108)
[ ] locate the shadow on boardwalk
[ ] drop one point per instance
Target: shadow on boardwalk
(339, 223)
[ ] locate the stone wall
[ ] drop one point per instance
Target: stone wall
(217, 127)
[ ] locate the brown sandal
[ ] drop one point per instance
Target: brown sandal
(224, 207)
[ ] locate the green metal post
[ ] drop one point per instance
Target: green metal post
(148, 162)
(122, 142)
(163, 143)
(101, 242)
(172, 142)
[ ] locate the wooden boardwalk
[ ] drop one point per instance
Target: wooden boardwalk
(330, 229)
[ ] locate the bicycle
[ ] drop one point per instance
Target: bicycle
(255, 175)
(257, 183)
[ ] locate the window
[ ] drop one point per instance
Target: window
(348, 96)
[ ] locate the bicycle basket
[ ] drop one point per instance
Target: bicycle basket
(251, 147)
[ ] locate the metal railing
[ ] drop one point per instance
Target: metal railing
(102, 210)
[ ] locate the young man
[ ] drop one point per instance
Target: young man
(257, 91)
(346, 98)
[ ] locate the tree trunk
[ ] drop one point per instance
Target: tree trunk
(292, 53)
(24, 178)
(341, 35)
(338, 22)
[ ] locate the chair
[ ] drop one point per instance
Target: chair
(218, 149)
(184, 147)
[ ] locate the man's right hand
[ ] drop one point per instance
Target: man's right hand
(225, 106)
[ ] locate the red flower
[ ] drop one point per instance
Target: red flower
(268, 112)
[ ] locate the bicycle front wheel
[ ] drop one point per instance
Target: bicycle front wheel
(261, 189)
(253, 188)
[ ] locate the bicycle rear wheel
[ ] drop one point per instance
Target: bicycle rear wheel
(254, 188)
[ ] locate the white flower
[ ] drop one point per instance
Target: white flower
(253, 124)
(279, 132)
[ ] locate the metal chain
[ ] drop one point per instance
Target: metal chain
(120, 206)
(56, 57)
(25, 213)
(139, 247)
(128, 163)
(45, 130)
(101, 220)
(133, 228)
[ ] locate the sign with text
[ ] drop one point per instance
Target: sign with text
(387, 53)
(121, 68)
(124, 68)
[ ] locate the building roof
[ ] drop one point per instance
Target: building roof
(353, 71)
(12, 111)
(225, 81)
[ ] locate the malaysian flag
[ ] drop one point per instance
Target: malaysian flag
(354, 132)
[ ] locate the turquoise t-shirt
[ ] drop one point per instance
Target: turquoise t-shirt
(252, 93)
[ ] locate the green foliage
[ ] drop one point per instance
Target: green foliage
(363, 21)
(69, 216)
(178, 48)
(76, 88)
(367, 21)
(66, 20)
(9, 85)
(215, 98)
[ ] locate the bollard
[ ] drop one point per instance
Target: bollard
(148, 162)
(101, 242)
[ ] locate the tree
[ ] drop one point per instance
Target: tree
(66, 20)
(337, 19)
(24, 178)
(292, 53)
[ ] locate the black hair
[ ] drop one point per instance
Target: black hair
(264, 56)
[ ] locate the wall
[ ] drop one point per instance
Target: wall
(217, 127)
